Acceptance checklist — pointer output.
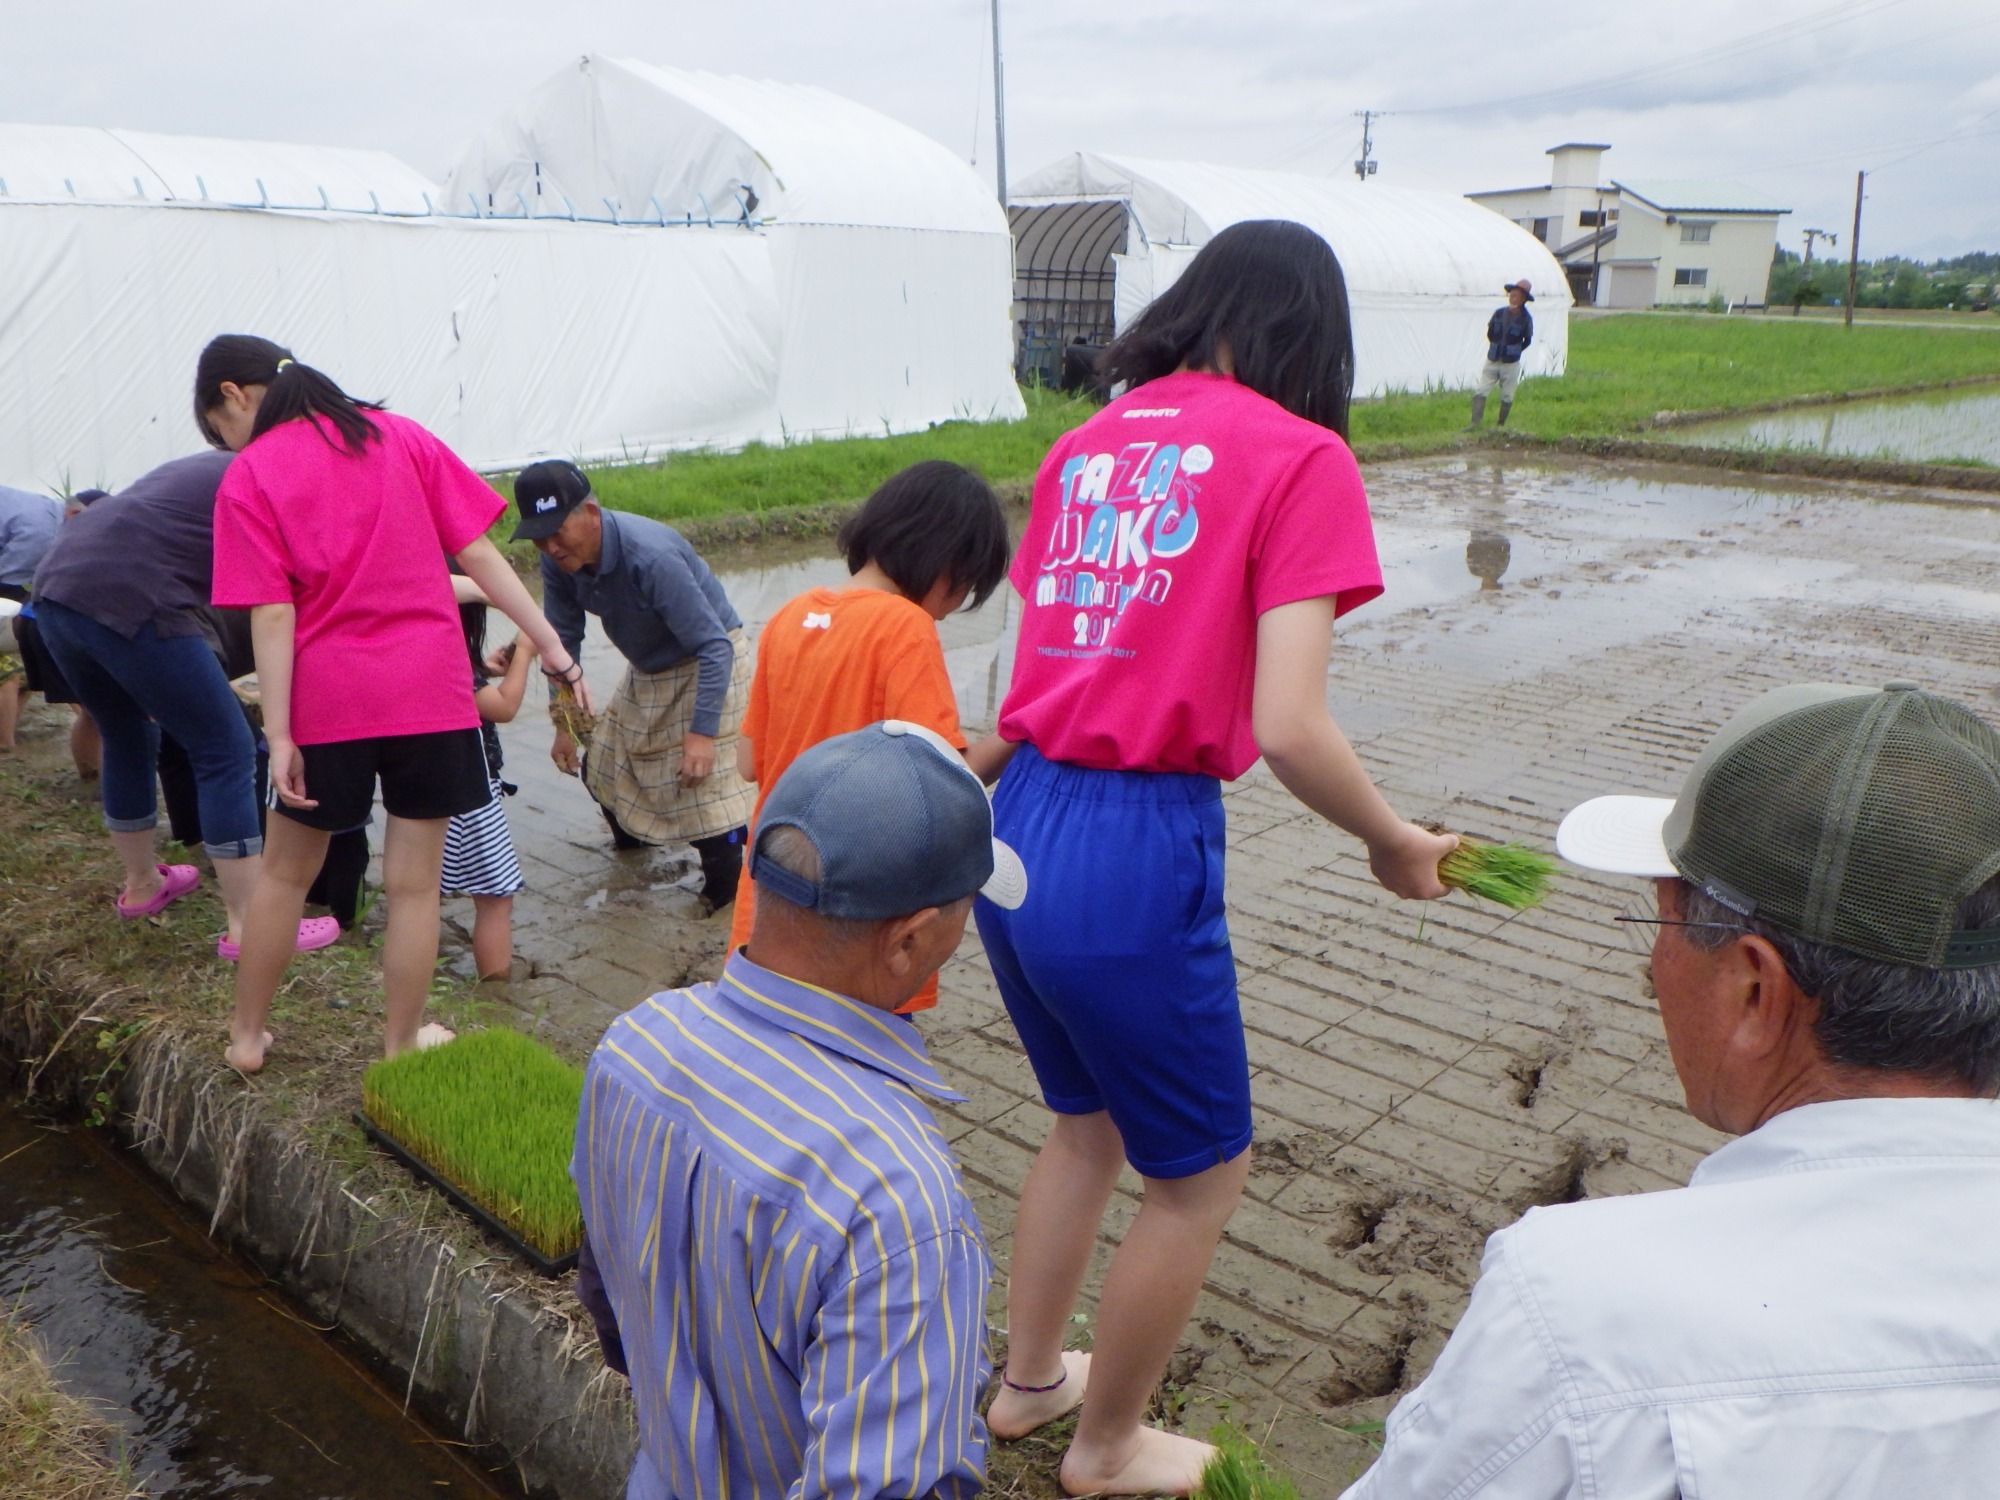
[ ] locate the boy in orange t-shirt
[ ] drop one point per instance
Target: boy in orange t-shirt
(836, 660)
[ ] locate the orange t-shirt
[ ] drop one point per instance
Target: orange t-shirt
(830, 662)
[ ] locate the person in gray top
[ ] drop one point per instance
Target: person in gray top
(661, 760)
(28, 525)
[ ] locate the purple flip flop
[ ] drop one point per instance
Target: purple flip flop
(314, 932)
(175, 881)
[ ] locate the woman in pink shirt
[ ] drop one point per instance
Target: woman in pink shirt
(331, 527)
(1185, 557)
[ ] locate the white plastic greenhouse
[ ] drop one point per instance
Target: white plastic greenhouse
(1099, 237)
(864, 288)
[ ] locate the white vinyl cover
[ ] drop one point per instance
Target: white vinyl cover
(607, 137)
(1424, 269)
(514, 340)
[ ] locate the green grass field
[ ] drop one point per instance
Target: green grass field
(1623, 371)
(495, 1113)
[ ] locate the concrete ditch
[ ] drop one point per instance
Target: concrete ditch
(450, 1323)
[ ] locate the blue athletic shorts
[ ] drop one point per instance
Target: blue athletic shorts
(1117, 969)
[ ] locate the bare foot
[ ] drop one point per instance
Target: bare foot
(1157, 1463)
(247, 1057)
(1014, 1414)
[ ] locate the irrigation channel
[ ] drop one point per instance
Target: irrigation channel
(1936, 427)
(216, 1385)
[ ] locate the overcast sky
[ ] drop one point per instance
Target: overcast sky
(1790, 96)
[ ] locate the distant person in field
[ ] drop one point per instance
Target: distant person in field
(1815, 1316)
(1188, 550)
(778, 1247)
(930, 540)
(1508, 333)
(332, 527)
(661, 762)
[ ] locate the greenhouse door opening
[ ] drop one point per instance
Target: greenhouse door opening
(1065, 284)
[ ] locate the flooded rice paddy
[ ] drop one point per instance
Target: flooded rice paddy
(1937, 427)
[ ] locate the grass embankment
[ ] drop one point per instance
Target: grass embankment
(1623, 373)
(52, 1446)
(494, 1113)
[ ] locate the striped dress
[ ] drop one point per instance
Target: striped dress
(797, 1276)
(479, 858)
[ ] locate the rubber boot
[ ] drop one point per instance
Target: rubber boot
(1505, 407)
(1478, 412)
(721, 867)
(620, 838)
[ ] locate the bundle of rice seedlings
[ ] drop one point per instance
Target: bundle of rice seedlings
(494, 1113)
(1239, 1471)
(569, 716)
(1512, 875)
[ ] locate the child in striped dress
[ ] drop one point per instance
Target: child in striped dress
(479, 858)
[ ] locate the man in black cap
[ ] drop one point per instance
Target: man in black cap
(661, 760)
(1508, 333)
(1816, 1313)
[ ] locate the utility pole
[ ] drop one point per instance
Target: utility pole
(1365, 168)
(1818, 234)
(1596, 244)
(1854, 250)
(999, 110)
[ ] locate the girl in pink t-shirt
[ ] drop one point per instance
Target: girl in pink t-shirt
(332, 527)
(1186, 554)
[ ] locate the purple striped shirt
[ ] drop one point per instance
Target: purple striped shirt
(798, 1277)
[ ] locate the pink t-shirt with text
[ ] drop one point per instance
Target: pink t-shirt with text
(357, 541)
(1160, 530)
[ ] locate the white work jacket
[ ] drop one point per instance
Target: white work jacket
(1817, 1315)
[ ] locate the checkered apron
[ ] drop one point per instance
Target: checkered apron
(634, 763)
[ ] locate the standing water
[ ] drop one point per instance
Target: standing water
(218, 1387)
(1938, 427)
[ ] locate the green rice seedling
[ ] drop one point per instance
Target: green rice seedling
(1239, 1471)
(1513, 875)
(494, 1112)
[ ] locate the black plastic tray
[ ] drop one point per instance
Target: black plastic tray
(464, 1204)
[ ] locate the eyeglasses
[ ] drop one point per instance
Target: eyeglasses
(1640, 944)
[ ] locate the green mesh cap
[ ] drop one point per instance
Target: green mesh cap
(1848, 817)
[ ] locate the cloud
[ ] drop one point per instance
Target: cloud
(1252, 82)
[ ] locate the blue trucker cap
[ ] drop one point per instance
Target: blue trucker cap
(900, 823)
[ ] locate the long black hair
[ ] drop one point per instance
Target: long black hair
(934, 520)
(1272, 292)
(291, 390)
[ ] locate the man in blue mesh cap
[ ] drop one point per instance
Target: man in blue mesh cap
(779, 1250)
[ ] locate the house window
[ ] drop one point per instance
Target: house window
(1691, 276)
(1596, 218)
(1696, 231)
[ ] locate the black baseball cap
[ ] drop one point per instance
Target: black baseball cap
(547, 492)
(899, 821)
(1857, 818)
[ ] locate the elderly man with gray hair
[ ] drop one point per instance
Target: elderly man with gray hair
(778, 1246)
(1818, 1313)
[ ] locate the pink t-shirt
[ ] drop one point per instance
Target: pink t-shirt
(1161, 529)
(357, 542)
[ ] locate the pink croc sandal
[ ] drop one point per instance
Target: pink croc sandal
(175, 881)
(314, 932)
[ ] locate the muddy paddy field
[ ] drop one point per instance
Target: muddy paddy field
(1552, 629)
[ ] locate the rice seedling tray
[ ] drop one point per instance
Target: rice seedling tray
(493, 1226)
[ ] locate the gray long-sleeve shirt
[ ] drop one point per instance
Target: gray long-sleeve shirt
(660, 605)
(28, 525)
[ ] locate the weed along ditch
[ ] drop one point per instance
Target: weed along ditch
(1552, 627)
